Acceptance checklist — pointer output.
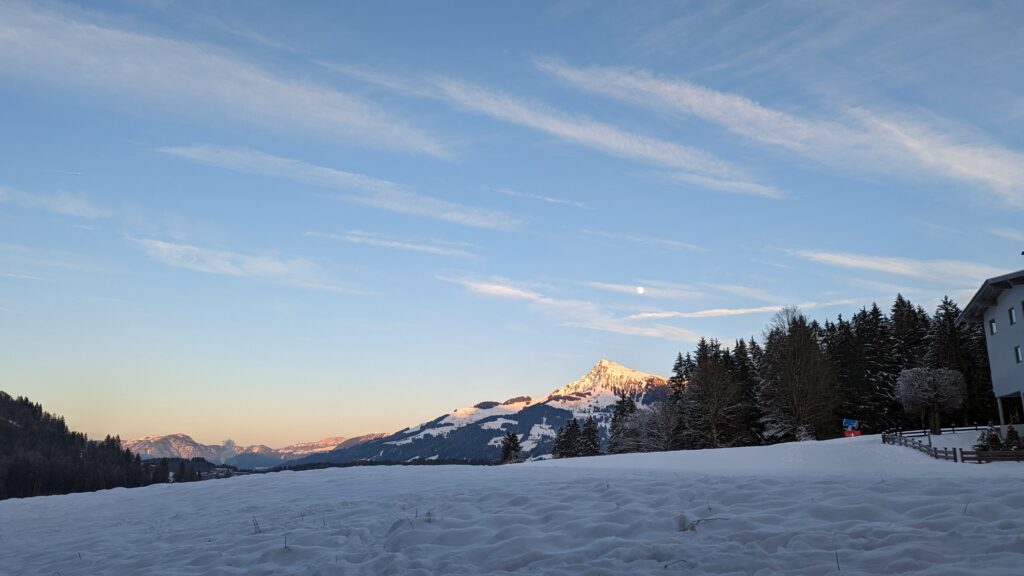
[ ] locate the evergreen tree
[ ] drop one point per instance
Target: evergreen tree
(558, 448)
(162, 472)
(618, 429)
(989, 440)
(875, 376)
(590, 441)
(748, 416)
(678, 371)
(572, 439)
(1013, 441)
(962, 348)
(910, 326)
(844, 355)
(39, 455)
(510, 448)
(711, 402)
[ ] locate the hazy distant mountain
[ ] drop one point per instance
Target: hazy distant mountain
(474, 433)
(255, 456)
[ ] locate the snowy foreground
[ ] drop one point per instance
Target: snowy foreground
(791, 508)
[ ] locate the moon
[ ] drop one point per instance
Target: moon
(640, 290)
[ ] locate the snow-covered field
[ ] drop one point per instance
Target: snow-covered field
(791, 508)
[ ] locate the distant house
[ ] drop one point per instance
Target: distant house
(999, 305)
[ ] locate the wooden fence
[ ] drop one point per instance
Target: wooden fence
(910, 440)
(913, 442)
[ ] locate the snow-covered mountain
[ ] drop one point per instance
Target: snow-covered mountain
(474, 433)
(255, 456)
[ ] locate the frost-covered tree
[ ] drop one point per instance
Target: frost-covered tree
(929, 392)
(510, 448)
(878, 369)
(1012, 441)
(989, 440)
(653, 429)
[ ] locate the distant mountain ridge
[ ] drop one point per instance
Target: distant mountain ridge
(474, 433)
(255, 456)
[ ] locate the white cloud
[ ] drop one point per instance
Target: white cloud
(651, 290)
(269, 267)
(1008, 234)
(748, 292)
(703, 168)
(383, 241)
(731, 186)
(647, 240)
(724, 312)
(857, 139)
(70, 49)
(573, 313)
(548, 199)
(20, 276)
(359, 188)
(940, 271)
(62, 203)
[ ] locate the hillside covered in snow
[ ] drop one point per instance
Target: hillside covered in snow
(839, 507)
(473, 433)
(246, 457)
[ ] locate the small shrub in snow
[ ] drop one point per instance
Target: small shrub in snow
(1012, 439)
(989, 440)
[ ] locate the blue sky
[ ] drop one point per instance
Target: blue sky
(278, 223)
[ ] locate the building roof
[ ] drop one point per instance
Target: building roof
(987, 295)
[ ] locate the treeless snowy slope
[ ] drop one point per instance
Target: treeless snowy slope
(783, 509)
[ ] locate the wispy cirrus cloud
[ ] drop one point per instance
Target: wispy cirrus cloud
(1008, 234)
(15, 276)
(856, 138)
(357, 188)
(62, 203)
(664, 243)
(725, 312)
(700, 167)
(298, 272)
(652, 289)
(383, 241)
(572, 313)
(749, 292)
(73, 48)
(939, 271)
(542, 198)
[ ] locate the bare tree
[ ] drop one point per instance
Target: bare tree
(652, 429)
(930, 391)
(797, 391)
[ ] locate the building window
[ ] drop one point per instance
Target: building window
(1013, 316)
(1018, 354)
(992, 327)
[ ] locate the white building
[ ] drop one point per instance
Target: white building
(999, 305)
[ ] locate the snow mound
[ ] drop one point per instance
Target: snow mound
(794, 509)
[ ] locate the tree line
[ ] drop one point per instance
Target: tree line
(40, 456)
(803, 378)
